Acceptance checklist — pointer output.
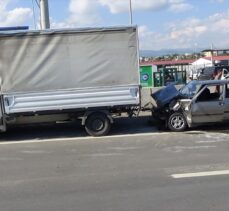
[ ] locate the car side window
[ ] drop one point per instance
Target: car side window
(211, 93)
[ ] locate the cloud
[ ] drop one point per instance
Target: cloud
(14, 17)
(190, 28)
(217, 1)
(179, 6)
(177, 34)
(150, 40)
(219, 22)
(86, 12)
(185, 33)
(120, 6)
(82, 13)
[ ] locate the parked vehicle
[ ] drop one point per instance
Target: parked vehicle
(209, 73)
(197, 103)
(65, 75)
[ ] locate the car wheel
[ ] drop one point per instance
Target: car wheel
(177, 122)
(97, 124)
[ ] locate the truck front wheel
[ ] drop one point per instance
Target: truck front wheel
(97, 124)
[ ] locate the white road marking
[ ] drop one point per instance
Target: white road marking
(80, 138)
(200, 174)
(178, 149)
(36, 152)
(124, 148)
(213, 141)
(10, 159)
(194, 147)
(104, 154)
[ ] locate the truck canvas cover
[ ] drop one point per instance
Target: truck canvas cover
(66, 59)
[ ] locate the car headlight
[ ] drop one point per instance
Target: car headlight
(176, 106)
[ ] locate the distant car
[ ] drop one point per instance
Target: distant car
(197, 103)
(209, 73)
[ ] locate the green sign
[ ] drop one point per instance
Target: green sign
(146, 78)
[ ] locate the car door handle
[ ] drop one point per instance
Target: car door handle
(221, 103)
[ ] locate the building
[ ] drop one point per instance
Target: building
(215, 52)
(180, 65)
(187, 65)
(191, 66)
(210, 61)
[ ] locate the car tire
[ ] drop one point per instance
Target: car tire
(177, 122)
(97, 124)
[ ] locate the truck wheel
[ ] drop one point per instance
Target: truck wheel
(177, 122)
(97, 124)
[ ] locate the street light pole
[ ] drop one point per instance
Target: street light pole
(44, 12)
(130, 13)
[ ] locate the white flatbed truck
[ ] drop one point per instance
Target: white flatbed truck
(50, 76)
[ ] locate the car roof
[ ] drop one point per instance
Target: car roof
(212, 82)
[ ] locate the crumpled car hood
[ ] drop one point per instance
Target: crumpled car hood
(166, 95)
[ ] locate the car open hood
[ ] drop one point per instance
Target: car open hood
(165, 95)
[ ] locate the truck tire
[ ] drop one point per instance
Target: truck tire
(177, 122)
(97, 124)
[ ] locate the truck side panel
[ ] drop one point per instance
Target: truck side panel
(71, 99)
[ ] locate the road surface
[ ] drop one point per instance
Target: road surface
(58, 168)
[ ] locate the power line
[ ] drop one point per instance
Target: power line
(38, 4)
(34, 16)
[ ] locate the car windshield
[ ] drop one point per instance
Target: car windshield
(190, 89)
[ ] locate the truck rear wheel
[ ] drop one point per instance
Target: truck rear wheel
(97, 124)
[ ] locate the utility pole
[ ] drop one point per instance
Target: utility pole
(44, 12)
(130, 13)
(212, 54)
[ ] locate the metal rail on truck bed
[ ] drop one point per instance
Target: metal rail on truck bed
(71, 99)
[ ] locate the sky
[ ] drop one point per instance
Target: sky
(162, 24)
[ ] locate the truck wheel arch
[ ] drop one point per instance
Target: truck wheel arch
(97, 123)
(88, 113)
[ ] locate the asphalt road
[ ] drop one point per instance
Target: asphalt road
(58, 168)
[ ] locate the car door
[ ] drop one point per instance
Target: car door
(2, 122)
(208, 105)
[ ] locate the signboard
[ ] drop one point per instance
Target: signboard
(146, 78)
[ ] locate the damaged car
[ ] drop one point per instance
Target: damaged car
(197, 103)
